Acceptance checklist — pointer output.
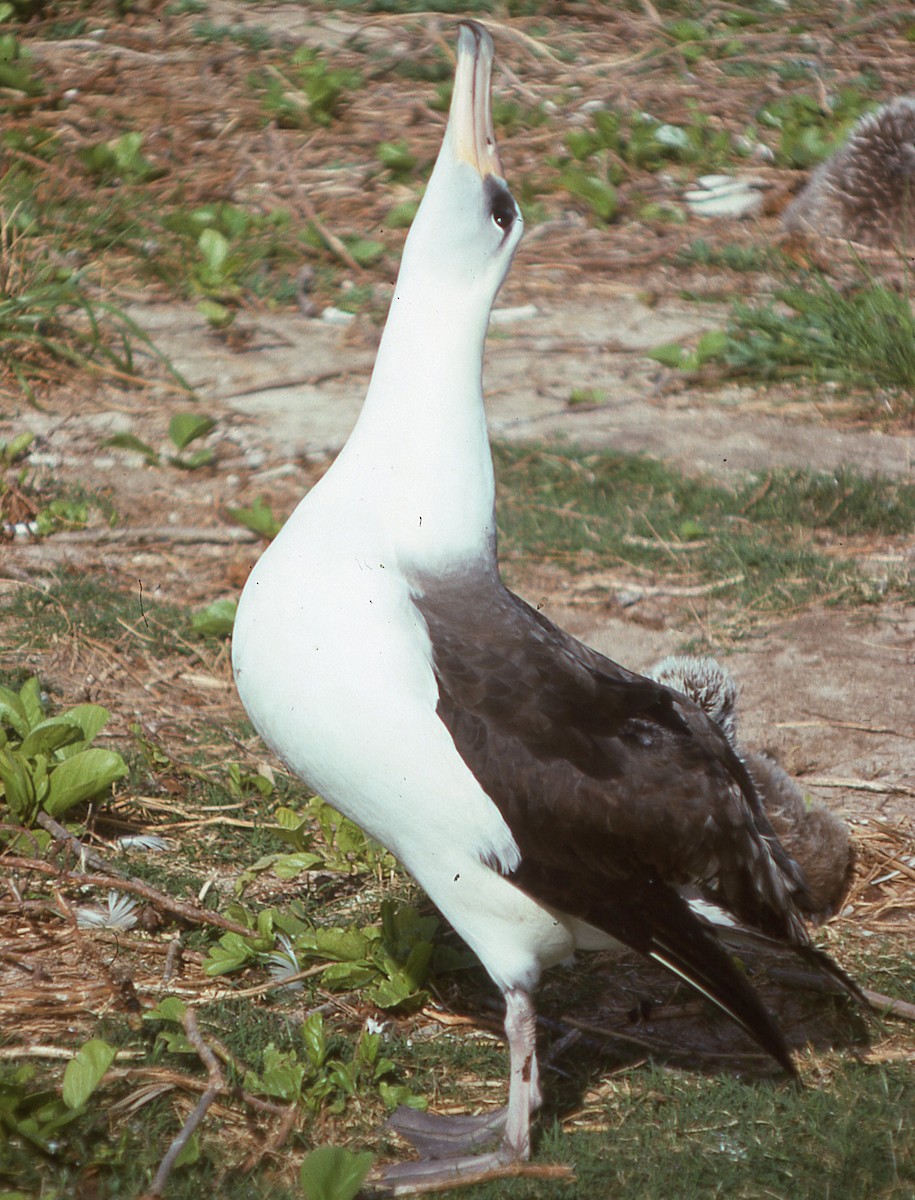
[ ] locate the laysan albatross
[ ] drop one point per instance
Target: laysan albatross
(546, 798)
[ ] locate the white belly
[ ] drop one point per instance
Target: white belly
(333, 665)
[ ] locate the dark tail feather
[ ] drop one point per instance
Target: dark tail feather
(827, 966)
(654, 919)
(680, 942)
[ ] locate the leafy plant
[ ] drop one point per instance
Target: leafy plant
(391, 961)
(596, 192)
(48, 763)
(259, 518)
(216, 620)
(253, 37)
(84, 1072)
(48, 316)
(311, 1073)
(864, 337)
(333, 1173)
(183, 428)
(217, 251)
(708, 349)
(396, 157)
(120, 159)
(808, 133)
(308, 91)
(15, 63)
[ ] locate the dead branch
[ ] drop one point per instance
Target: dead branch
(180, 908)
(215, 1086)
(84, 855)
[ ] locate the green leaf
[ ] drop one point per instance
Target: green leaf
(190, 1152)
(169, 1008)
(91, 718)
(186, 427)
(129, 441)
(258, 518)
(200, 458)
(231, 952)
(83, 776)
(51, 735)
(711, 345)
(12, 713)
(315, 1040)
(216, 620)
(364, 250)
(332, 1173)
(84, 1071)
(597, 193)
(30, 699)
(19, 787)
(288, 866)
(218, 316)
(214, 247)
(282, 1075)
(669, 355)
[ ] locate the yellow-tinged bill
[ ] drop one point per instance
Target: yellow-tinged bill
(470, 118)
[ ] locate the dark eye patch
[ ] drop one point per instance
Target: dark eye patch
(499, 203)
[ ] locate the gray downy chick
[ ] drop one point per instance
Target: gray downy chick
(816, 838)
(866, 191)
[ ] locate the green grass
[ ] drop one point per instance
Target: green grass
(83, 604)
(639, 517)
(864, 337)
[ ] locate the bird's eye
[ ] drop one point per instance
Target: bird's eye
(500, 203)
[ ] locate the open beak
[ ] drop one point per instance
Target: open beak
(470, 119)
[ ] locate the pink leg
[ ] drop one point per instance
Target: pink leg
(524, 1097)
(445, 1141)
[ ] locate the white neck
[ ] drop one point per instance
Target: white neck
(417, 465)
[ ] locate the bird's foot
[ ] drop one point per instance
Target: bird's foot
(447, 1146)
(436, 1135)
(442, 1174)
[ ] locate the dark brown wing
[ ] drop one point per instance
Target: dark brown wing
(594, 767)
(616, 789)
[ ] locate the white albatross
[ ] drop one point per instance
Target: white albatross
(546, 798)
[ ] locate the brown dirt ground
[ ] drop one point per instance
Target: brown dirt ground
(828, 688)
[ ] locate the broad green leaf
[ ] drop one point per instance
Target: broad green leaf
(282, 1075)
(12, 713)
(231, 952)
(288, 866)
(50, 735)
(348, 945)
(91, 718)
(216, 620)
(84, 1071)
(711, 345)
(215, 249)
(169, 1008)
(346, 976)
(332, 1173)
(18, 786)
(87, 774)
(128, 441)
(259, 518)
(669, 355)
(30, 698)
(315, 1040)
(186, 427)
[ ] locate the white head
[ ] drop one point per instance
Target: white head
(468, 225)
